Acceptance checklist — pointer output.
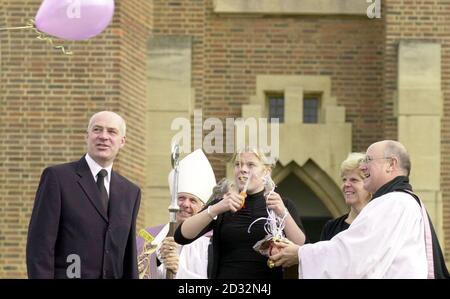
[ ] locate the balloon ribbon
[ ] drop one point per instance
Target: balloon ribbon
(41, 36)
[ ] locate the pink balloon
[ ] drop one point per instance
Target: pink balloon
(74, 19)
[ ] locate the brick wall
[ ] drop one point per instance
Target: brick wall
(185, 18)
(419, 20)
(230, 51)
(46, 102)
(131, 33)
(346, 49)
(2, 167)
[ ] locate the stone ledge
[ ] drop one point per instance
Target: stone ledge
(292, 7)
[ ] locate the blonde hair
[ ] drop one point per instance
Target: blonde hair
(263, 155)
(351, 163)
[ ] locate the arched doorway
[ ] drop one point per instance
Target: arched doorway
(316, 195)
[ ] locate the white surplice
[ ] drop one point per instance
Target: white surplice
(192, 262)
(386, 240)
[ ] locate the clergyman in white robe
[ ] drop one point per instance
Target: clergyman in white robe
(386, 240)
(193, 262)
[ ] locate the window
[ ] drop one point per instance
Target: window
(276, 107)
(311, 109)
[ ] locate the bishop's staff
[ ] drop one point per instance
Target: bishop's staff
(173, 208)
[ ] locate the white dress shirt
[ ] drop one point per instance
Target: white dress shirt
(95, 168)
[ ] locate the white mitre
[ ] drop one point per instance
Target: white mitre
(195, 176)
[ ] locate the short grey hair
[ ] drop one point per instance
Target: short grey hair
(122, 124)
(398, 150)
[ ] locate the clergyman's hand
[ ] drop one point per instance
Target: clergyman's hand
(169, 254)
(171, 262)
(287, 255)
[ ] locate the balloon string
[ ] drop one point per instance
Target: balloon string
(48, 39)
(14, 28)
(275, 224)
(40, 36)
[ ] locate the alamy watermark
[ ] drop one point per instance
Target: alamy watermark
(238, 133)
(73, 10)
(74, 269)
(374, 9)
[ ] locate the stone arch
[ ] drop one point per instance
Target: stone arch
(318, 181)
(316, 195)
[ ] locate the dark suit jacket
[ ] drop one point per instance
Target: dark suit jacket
(68, 218)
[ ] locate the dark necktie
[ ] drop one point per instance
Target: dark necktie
(101, 187)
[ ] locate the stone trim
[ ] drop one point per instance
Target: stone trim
(292, 7)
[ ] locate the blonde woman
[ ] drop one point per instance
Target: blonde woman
(231, 216)
(356, 197)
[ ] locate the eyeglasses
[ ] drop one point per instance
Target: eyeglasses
(369, 159)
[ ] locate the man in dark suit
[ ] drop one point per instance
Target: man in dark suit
(84, 216)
